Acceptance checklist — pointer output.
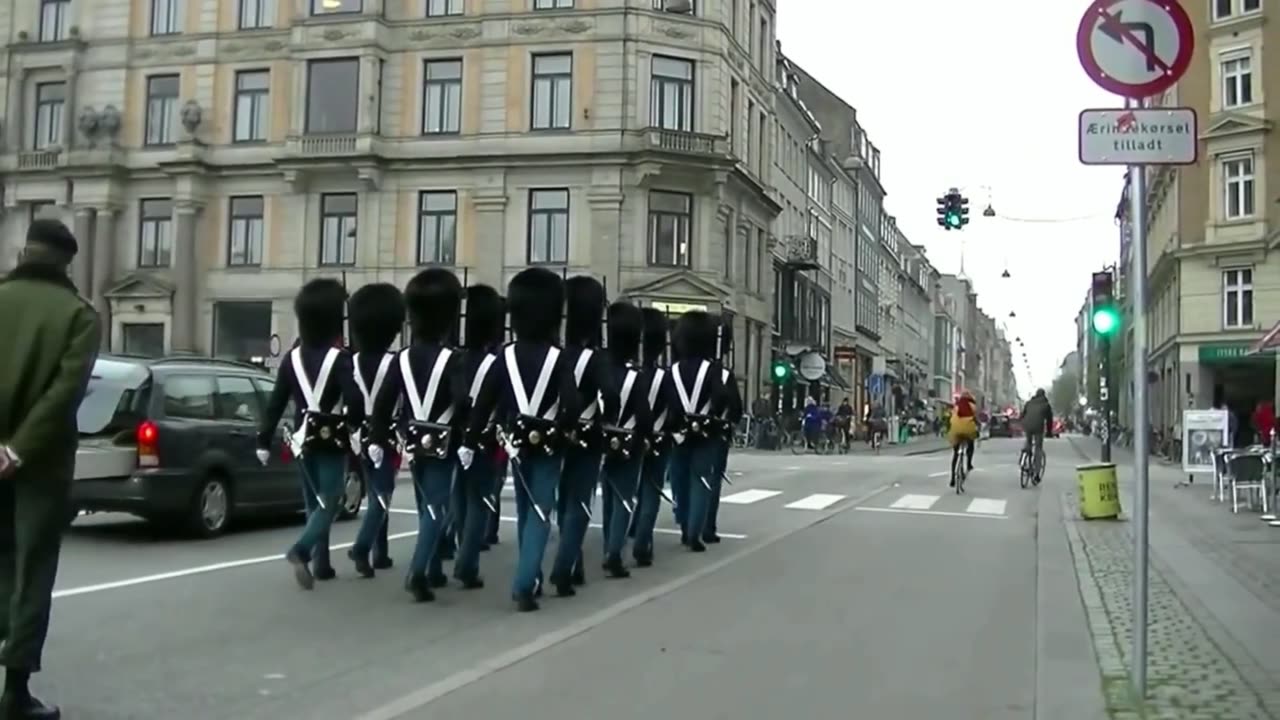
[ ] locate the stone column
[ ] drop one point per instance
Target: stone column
(13, 129)
(487, 256)
(185, 318)
(82, 266)
(604, 253)
(103, 264)
(70, 108)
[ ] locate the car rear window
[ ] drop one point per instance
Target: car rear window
(114, 398)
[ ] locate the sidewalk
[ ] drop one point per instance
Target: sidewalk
(919, 445)
(1214, 600)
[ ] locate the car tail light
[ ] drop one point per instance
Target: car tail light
(148, 437)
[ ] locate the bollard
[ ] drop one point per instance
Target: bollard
(1099, 491)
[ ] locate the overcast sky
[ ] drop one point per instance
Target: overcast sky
(973, 94)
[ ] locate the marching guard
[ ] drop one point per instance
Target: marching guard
(377, 318)
(700, 393)
(624, 431)
(537, 407)
(430, 389)
(478, 488)
(666, 413)
(318, 376)
(730, 417)
(584, 317)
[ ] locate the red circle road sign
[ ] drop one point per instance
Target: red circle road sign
(1135, 48)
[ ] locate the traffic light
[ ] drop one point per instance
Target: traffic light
(962, 208)
(1106, 317)
(953, 210)
(781, 371)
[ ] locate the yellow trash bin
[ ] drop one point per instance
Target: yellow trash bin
(1099, 493)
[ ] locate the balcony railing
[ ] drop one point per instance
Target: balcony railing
(686, 143)
(38, 159)
(801, 252)
(328, 146)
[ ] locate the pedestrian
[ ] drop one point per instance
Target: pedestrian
(51, 338)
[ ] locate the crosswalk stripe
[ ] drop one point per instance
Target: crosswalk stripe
(915, 502)
(817, 501)
(747, 497)
(986, 506)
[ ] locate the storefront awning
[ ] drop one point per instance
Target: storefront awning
(1270, 341)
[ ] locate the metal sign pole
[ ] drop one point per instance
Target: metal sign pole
(1142, 422)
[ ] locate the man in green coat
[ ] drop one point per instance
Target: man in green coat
(50, 343)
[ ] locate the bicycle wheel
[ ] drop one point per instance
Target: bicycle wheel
(797, 444)
(1024, 470)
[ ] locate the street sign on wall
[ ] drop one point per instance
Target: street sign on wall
(1147, 136)
(1135, 48)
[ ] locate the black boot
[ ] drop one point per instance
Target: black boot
(301, 571)
(697, 546)
(525, 602)
(563, 586)
(361, 561)
(437, 581)
(17, 703)
(382, 562)
(711, 538)
(615, 569)
(323, 572)
(578, 576)
(420, 590)
(473, 582)
(643, 558)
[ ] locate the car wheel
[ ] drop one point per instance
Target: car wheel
(210, 510)
(352, 496)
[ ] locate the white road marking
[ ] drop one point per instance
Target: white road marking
(987, 506)
(915, 502)
(747, 497)
(939, 513)
(264, 559)
(817, 501)
(944, 473)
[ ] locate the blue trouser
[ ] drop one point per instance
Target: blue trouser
(653, 475)
(537, 476)
(696, 467)
(325, 475)
(678, 477)
(380, 484)
(717, 486)
(474, 485)
(577, 496)
(433, 479)
(621, 477)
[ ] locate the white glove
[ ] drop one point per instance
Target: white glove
(466, 456)
(678, 437)
(264, 456)
(511, 450)
(377, 455)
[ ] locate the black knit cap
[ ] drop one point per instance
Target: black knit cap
(52, 233)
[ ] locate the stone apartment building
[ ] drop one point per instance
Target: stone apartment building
(212, 155)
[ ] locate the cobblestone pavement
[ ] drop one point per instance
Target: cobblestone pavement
(1189, 675)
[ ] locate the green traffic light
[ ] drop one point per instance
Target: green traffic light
(953, 219)
(1105, 321)
(779, 371)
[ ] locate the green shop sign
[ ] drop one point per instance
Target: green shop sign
(1224, 353)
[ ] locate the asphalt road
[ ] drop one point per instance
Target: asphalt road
(846, 586)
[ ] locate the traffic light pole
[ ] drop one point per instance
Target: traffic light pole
(1104, 391)
(1141, 421)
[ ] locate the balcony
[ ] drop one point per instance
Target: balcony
(38, 160)
(360, 152)
(321, 147)
(800, 252)
(687, 143)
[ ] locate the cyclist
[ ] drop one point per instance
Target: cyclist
(1037, 420)
(844, 422)
(963, 431)
(877, 425)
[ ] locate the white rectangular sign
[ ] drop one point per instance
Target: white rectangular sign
(1147, 136)
(1203, 432)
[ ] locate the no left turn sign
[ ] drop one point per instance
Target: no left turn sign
(1135, 48)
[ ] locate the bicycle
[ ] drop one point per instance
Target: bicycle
(959, 467)
(1030, 472)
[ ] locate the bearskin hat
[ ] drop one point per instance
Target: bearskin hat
(320, 307)
(535, 299)
(626, 327)
(584, 311)
(377, 317)
(485, 314)
(434, 300)
(654, 344)
(695, 336)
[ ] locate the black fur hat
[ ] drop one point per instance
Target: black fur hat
(626, 327)
(535, 299)
(485, 313)
(434, 300)
(584, 311)
(320, 306)
(377, 317)
(695, 336)
(655, 335)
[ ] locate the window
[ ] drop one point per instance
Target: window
(1237, 81)
(733, 17)
(164, 17)
(437, 227)
(442, 8)
(335, 7)
(671, 93)
(155, 233)
(333, 94)
(764, 45)
(245, 234)
(145, 339)
(242, 329)
(1249, 6)
(663, 4)
(53, 20)
(338, 229)
(552, 4)
(549, 226)
(552, 86)
(50, 101)
(1238, 187)
(670, 228)
(162, 109)
(189, 397)
(441, 96)
(237, 399)
(749, 138)
(734, 91)
(762, 242)
(255, 14)
(251, 106)
(1237, 298)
